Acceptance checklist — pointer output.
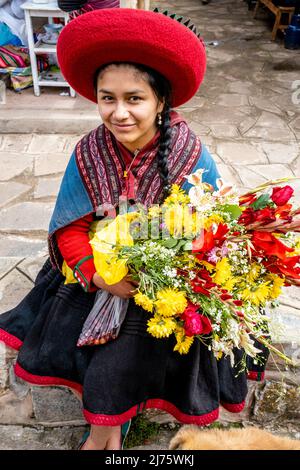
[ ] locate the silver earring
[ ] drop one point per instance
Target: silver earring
(159, 119)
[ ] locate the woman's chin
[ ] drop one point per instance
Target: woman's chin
(125, 139)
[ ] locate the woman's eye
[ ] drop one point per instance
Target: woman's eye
(135, 98)
(106, 98)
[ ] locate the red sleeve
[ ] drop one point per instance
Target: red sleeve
(73, 243)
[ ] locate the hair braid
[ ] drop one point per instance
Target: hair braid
(164, 150)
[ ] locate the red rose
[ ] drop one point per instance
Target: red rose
(282, 195)
(190, 310)
(197, 325)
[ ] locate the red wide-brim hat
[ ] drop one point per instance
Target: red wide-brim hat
(127, 35)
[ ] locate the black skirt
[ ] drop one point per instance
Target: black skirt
(123, 377)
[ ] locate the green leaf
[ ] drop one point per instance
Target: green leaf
(170, 242)
(262, 202)
(180, 244)
(233, 210)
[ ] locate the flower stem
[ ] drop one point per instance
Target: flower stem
(272, 348)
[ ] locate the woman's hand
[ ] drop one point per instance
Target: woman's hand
(125, 289)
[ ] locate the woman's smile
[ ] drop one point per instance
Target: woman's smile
(123, 127)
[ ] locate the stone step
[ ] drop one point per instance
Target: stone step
(48, 113)
(18, 437)
(45, 121)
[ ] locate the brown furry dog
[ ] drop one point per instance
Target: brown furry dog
(193, 438)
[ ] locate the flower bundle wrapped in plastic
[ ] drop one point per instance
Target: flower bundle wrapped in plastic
(207, 262)
(105, 319)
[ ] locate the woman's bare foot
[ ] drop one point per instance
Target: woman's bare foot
(103, 438)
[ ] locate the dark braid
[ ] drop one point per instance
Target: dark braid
(164, 149)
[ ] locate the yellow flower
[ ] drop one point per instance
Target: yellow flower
(144, 301)
(257, 295)
(183, 342)
(229, 284)
(275, 286)
(68, 273)
(210, 267)
(107, 264)
(254, 272)
(109, 267)
(223, 272)
(212, 219)
(170, 302)
(177, 196)
(160, 327)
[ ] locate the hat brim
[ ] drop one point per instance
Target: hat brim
(126, 35)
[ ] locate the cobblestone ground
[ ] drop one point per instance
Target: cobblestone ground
(247, 112)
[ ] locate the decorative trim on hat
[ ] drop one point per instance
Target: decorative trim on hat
(180, 19)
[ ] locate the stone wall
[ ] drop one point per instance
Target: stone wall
(274, 403)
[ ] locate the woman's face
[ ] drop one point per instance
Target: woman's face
(128, 106)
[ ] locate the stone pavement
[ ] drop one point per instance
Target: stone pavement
(247, 112)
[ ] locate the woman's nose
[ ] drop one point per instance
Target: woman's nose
(121, 111)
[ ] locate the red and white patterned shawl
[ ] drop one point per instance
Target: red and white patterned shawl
(101, 164)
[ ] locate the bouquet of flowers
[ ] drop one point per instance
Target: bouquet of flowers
(207, 262)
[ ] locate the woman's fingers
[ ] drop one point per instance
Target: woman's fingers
(134, 291)
(129, 278)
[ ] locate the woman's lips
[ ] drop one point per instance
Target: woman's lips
(123, 127)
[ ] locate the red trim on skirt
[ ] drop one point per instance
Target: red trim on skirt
(10, 340)
(115, 420)
(233, 407)
(44, 380)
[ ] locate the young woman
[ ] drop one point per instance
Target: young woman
(137, 66)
